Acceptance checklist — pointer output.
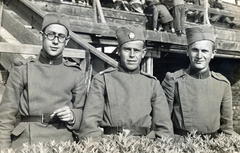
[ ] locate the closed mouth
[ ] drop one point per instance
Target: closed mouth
(54, 48)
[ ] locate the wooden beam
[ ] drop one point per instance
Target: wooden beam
(100, 12)
(96, 40)
(93, 50)
(213, 10)
(24, 35)
(7, 59)
(83, 11)
(1, 9)
(35, 49)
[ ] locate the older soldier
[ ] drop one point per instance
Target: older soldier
(48, 92)
(125, 98)
(199, 99)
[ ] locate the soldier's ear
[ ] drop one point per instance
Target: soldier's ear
(67, 39)
(144, 52)
(214, 53)
(41, 37)
(187, 51)
(118, 51)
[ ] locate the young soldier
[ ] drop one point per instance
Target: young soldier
(199, 99)
(125, 98)
(48, 92)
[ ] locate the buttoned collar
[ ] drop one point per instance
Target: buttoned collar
(198, 75)
(45, 59)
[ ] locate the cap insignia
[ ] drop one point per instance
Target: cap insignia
(131, 35)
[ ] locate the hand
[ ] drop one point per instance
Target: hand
(64, 114)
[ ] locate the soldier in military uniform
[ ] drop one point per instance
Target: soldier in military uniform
(199, 99)
(48, 92)
(125, 99)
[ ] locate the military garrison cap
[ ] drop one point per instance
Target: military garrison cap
(204, 32)
(54, 18)
(129, 33)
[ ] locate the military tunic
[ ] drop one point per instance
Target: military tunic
(200, 102)
(119, 98)
(40, 86)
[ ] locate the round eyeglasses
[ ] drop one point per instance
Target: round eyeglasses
(51, 36)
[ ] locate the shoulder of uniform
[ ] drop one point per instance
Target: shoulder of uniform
(71, 64)
(175, 75)
(22, 61)
(148, 75)
(108, 70)
(219, 77)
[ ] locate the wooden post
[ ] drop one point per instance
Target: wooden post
(150, 65)
(147, 65)
(94, 11)
(206, 19)
(100, 12)
(1, 10)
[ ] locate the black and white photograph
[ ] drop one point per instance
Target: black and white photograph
(119, 76)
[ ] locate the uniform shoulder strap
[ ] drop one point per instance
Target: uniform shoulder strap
(175, 75)
(148, 75)
(110, 69)
(219, 77)
(22, 61)
(71, 64)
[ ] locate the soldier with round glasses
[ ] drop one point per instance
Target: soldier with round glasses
(43, 92)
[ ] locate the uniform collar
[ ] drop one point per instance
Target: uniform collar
(122, 69)
(45, 59)
(198, 75)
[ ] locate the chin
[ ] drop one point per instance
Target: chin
(199, 68)
(132, 68)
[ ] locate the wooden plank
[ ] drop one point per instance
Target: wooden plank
(93, 50)
(83, 10)
(213, 10)
(7, 59)
(1, 9)
(35, 49)
(228, 35)
(228, 45)
(86, 13)
(7, 37)
(232, 7)
(21, 33)
(98, 41)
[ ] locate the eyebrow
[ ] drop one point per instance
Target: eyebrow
(55, 32)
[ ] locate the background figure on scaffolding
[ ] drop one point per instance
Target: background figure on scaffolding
(179, 16)
(129, 5)
(217, 17)
(160, 16)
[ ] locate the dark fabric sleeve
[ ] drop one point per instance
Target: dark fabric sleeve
(168, 86)
(9, 105)
(160, 113)
(78, 100)
(218, 5)
(226, 120)
(93, 110)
